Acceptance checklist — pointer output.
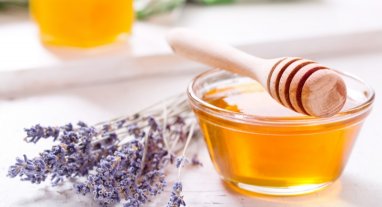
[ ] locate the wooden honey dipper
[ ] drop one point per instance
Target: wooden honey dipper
(299, 84)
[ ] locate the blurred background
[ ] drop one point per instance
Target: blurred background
(51, 44)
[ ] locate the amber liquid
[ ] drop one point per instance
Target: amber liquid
(273, 156)
(82, 23)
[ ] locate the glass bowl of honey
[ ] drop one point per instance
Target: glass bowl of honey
(258, 145)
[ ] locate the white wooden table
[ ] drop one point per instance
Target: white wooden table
(347, 37)
(360, 184)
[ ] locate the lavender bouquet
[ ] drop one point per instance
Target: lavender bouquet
(118, 161)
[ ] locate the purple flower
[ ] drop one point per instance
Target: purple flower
(125, 175)
(73, 156)
(120, 123)
(136, 131)
(176, 199)
(81, 188)
(35, 133)
(120, 161)
(180, 161)
(29, 170)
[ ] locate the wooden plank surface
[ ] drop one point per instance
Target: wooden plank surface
(360, 184)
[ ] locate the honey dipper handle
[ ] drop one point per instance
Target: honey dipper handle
(190, 45)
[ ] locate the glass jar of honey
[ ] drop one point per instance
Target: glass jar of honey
(82, 23)
(258, 145)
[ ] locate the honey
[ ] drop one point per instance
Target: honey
(82, 23)
(259, 145)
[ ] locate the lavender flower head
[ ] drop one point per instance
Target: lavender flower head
(119, 161)
(73, 156)
(176, 199)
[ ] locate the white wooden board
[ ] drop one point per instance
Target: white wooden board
(359, 186)
(264, 28)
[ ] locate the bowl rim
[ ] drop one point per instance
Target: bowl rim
(202, 105)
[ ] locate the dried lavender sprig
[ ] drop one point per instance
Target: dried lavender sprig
(176, 197)
(80, 150)
(103, 145)
(34, 134)
(156, 155)
(139, 177)
(74, 156)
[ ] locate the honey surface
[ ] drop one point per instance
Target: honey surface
(276, 155)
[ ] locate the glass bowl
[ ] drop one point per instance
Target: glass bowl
(277, 155)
